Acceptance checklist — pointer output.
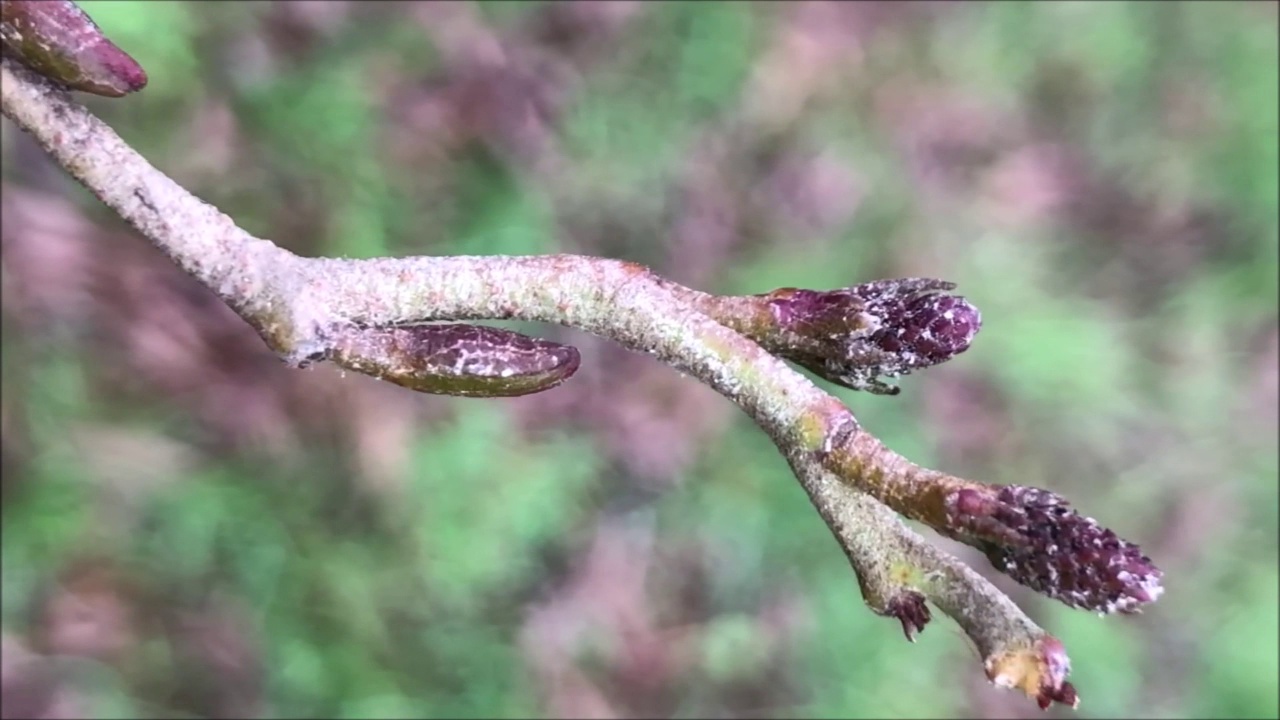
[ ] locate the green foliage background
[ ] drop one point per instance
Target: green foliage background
(1127, 360)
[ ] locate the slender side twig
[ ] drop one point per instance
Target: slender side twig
(898, 571)
(306, 309)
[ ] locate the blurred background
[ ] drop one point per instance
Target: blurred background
(193, 530)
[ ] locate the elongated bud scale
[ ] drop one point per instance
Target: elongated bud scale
(58, 40)
(453, 359)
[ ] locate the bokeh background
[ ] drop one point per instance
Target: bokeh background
(193, 530)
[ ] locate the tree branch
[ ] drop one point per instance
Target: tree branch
(368, 315)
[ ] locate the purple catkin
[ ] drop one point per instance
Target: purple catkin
(1035, 537)
(855, 336)
(59, 41)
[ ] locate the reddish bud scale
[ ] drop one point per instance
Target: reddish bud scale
(58, 40)
(1034, 536)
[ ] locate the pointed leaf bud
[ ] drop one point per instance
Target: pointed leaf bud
(454, 359)
(58, 40)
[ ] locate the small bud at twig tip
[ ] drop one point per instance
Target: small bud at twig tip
(1039, 670)
(910, 609)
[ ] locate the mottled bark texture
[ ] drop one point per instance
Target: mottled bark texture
(374, 316)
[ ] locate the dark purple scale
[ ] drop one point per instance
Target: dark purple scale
(922, 326)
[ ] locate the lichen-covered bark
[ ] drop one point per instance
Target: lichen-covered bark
(253, 276)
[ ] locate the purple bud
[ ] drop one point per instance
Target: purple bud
(910, 609)
(853, 336)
